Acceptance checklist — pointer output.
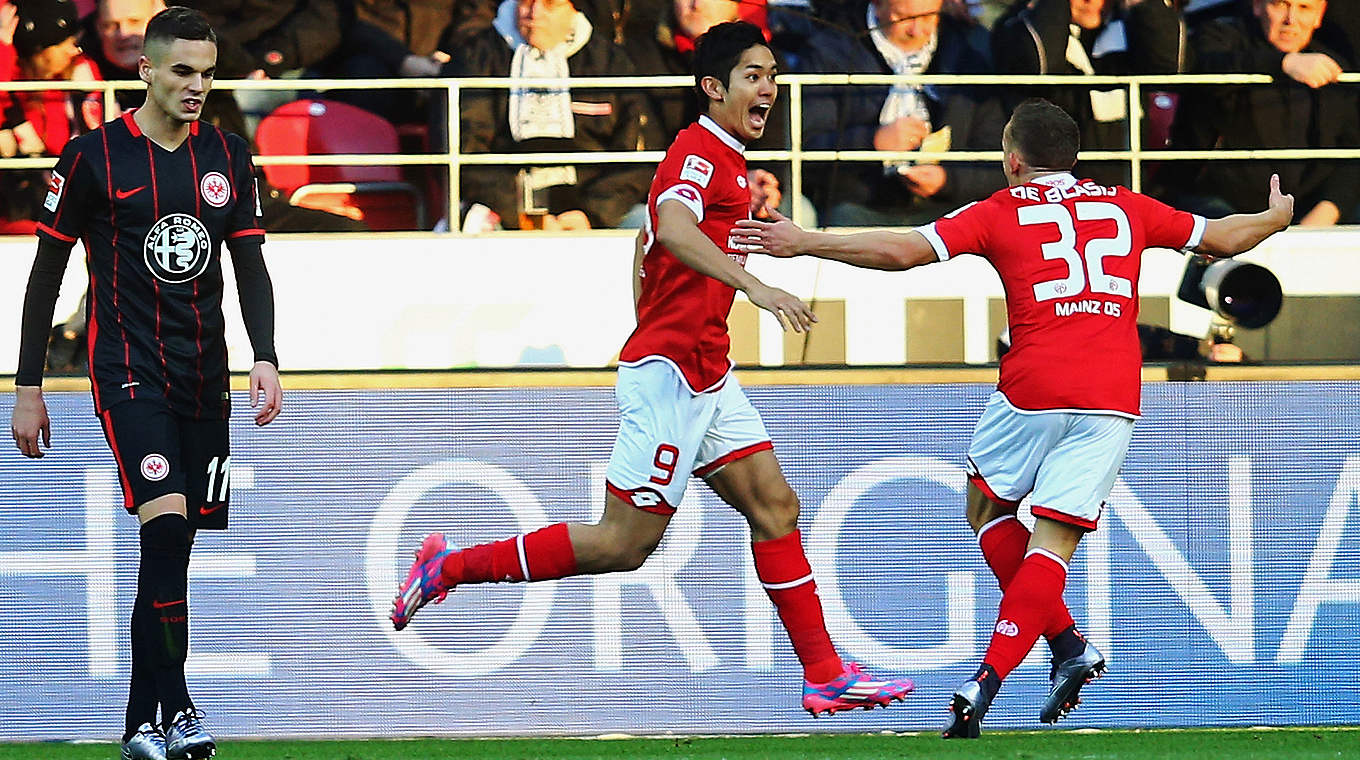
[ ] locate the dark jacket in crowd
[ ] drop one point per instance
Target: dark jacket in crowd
(270, 35)
(1283, 114)
(606, 119)
(846, 118)
(657, 47)
(394, 29)
(1032, 39)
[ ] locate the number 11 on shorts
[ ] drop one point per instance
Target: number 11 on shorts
(213, 471)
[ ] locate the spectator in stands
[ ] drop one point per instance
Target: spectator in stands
(1090, 37)
(113, 39)
(265, 38)
(259, 39)
(549, 39)
(899, 37)
(390, 39)
(1304, 111)
(38, 123)
(659, 38)
(1340, 30)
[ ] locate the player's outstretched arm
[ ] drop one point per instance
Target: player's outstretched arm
(1239, 233)
(873, 249)
(677, 228)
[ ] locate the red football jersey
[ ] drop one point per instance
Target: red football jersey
(682, 314)
(1069, 253)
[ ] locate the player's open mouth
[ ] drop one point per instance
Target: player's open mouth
(759, 113)
(192, 104)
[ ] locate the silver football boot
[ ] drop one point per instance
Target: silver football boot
(1068, 678)
(147, 744)
(966, 709)
(187, 738)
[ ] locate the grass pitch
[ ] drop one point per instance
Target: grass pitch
(1200, 744)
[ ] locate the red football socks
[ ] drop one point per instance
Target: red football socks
(784, 571)
(1032, 599)
(543, 555)
(1003, 542)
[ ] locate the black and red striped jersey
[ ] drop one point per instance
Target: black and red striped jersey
(153, 222)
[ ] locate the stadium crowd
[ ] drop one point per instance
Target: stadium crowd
(1306, 44)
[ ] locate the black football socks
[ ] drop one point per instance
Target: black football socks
(162, 598)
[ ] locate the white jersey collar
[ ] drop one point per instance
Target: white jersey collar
(708, 123)
(1061, 180)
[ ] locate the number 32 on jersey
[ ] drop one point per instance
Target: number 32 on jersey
(1085, 269)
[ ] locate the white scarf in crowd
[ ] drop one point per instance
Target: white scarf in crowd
(1106, 105)
(903, 99)
(540, 111)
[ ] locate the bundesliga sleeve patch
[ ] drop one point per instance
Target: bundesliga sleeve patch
(54, 188)
(697, 169)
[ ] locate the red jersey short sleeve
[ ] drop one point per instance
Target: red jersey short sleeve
(682, 314)
(1069, 253)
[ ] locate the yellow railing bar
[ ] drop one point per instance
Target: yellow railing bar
(453, 159)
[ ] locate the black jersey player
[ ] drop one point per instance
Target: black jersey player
(152, 196)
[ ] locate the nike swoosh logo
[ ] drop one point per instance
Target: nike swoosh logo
(205, 511)
(162, 605)
(128, 193)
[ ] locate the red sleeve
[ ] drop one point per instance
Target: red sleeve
(686, 176)
(1164, 226)
(961, 231)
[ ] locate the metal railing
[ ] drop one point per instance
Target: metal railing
(792, 84)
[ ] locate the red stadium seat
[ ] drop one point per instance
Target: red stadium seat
(377, 195)
(1161, 113)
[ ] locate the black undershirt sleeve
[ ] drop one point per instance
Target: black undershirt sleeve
(256, 291)
(44, 284)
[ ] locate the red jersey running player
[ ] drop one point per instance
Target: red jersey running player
(681, 409)
(1068, 252)
(153, 195)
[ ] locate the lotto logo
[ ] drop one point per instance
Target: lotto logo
(1007, 628)
(155, 467)
(645, 498)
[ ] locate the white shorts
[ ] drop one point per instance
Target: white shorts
(666, 432)
(1066, 462)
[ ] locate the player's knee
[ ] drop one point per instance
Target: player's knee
(983, 510)
(167, 533)
(776, 515)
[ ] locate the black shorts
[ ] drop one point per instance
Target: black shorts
(160, 453)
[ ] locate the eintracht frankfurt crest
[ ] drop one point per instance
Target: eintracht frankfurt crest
(215, 189)
(176, 248)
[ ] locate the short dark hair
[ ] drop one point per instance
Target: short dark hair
(178, 23)
(1045, 135)
(717, 50)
